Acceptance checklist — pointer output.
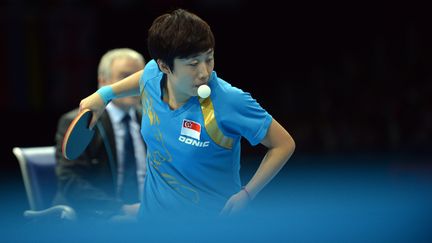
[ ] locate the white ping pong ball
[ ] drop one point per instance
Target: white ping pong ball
(204, 91)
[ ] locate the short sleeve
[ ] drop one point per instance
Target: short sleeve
(243, 116)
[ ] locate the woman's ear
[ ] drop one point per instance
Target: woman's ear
(163, 67)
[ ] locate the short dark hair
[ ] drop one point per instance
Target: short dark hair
(178, 34)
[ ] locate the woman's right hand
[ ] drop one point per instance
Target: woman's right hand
(95, 103)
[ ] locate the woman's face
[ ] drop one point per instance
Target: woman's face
(191, 72)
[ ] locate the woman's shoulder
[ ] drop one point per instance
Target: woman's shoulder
(230, 98)
(151, 72)
(151, 69)
(225, 90)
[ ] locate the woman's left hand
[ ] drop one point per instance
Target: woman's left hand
(237, 203)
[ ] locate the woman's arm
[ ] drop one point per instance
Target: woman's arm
(280, 148)
(128, 86)
(98, 100)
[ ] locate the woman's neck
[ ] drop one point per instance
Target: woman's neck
(174, 99)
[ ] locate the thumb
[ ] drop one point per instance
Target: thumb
(227, 208)
(94, 119)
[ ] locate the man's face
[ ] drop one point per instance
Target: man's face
(191, 72)
(120, 69)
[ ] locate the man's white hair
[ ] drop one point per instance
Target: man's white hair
(104, 69)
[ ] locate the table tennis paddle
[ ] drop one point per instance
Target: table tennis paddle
(78, 135)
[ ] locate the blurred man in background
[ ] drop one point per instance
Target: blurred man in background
(107, 179)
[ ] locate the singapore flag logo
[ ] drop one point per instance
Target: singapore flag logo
(191, 129)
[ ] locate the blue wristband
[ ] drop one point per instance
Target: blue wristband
(107, 93)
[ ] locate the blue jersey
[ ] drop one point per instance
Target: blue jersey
(193, 152)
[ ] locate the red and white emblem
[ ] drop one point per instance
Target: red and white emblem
(191, 129)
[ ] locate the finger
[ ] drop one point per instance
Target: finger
(226, 210)
(94, 120)
(80, 107)
(237, 208)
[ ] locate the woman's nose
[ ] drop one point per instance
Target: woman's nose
(203, 71)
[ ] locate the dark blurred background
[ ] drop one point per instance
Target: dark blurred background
(348, 79)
